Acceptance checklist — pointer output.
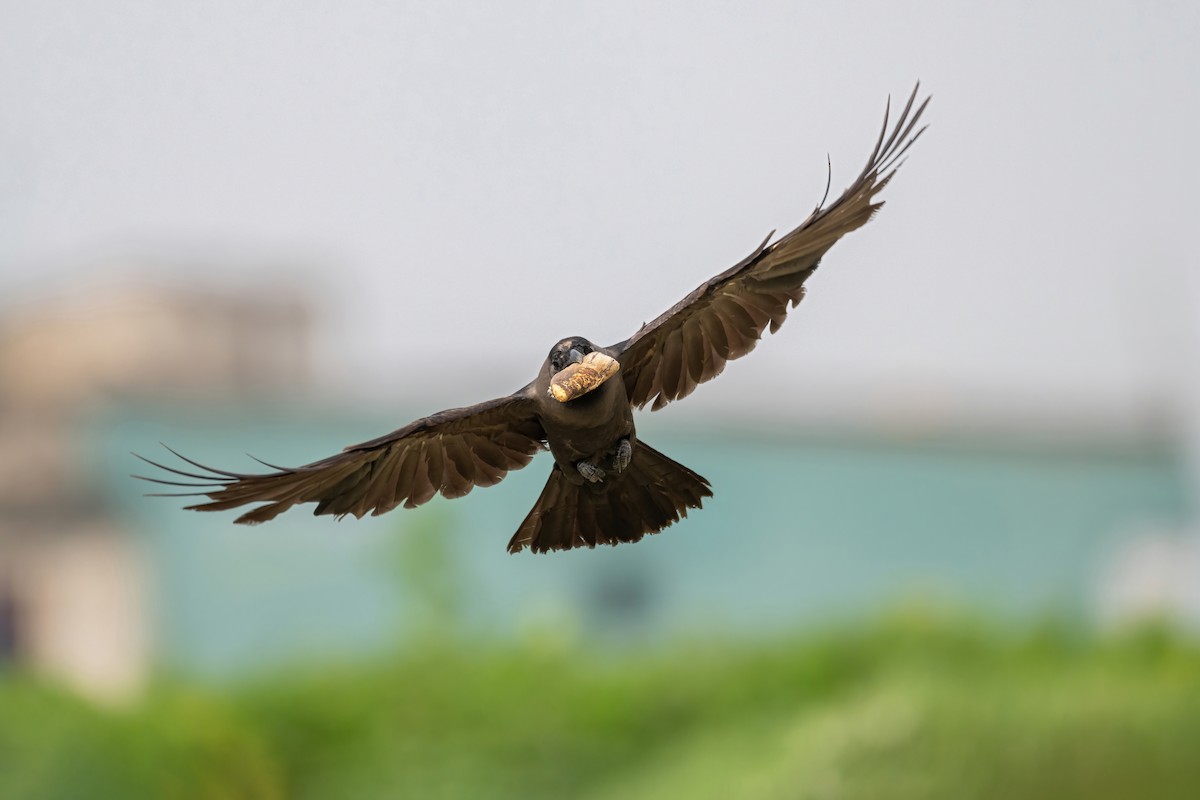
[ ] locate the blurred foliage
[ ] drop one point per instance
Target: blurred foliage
(424, 570)
(912, 707)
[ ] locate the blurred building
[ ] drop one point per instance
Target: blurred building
(807, 528)
(73, 577)
(812, 522)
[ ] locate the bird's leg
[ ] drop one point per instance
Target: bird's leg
(590, 471)
(622, 456)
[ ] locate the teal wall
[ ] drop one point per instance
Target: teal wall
(802, 530)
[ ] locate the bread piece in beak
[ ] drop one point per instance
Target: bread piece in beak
(576, 380)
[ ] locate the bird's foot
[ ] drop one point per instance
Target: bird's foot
(622, 456)
(590, 471)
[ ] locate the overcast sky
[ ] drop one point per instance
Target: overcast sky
(452, 178)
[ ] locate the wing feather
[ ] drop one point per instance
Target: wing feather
(449, 453)
(724, 317)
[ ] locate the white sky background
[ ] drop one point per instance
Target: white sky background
(451, 178)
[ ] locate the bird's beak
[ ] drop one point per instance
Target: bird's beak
(574, 357)
(583, 376)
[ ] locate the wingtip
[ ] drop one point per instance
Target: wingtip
(828, 180)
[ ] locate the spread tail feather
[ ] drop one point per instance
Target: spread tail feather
(649, 495)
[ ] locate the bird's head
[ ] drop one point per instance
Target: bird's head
(576, 367)
(569, 351)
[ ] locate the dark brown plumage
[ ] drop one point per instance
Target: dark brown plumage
(606, 487)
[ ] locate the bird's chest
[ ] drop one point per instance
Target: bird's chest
(591, 425)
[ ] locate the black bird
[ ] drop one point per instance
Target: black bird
(606, 486)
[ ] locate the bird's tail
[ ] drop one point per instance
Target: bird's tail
(649, 495)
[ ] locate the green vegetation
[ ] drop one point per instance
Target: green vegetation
(904, 709)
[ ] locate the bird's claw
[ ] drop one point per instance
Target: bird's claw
(622, 456)
(590, 472)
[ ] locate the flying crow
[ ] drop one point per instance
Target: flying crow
(606, 485)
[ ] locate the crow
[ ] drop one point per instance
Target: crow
(606, 485)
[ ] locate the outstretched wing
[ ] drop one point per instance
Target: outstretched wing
(450, 452)
(724, 318)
